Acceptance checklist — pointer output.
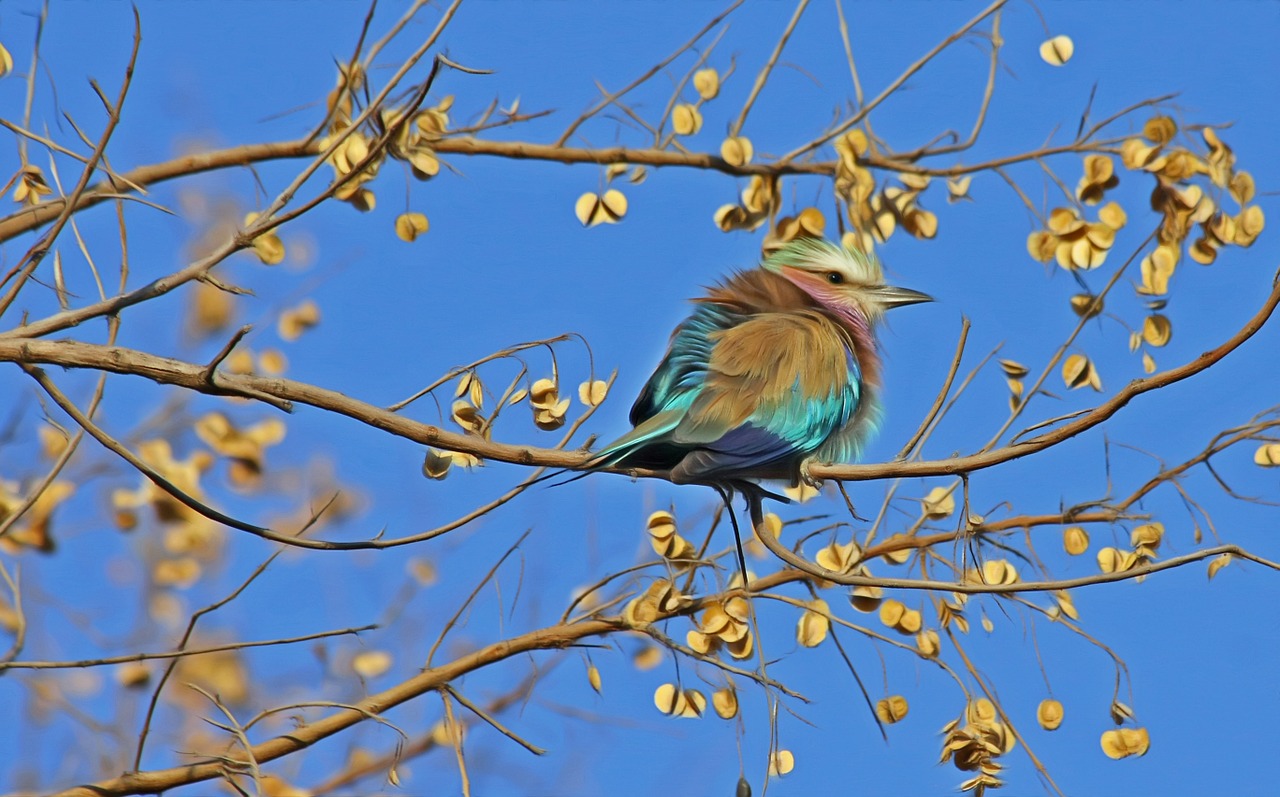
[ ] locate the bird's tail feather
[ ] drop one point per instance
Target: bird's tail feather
(647, 432)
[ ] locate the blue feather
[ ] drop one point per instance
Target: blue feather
(773, 436)
(682, 371)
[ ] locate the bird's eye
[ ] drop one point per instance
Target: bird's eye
(835, 277)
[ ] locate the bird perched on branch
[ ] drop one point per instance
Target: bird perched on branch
(776, 369)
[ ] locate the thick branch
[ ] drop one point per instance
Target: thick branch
(167, 371)
(164, 370)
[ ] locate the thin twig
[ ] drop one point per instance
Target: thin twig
(493, 723)
(942, 392)
(889, 90)
(767, 69)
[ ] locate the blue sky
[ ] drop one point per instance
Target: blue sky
(506, 261)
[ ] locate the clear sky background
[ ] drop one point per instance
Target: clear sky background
(506, 261)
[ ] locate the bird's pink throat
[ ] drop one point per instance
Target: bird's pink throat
(847, 314)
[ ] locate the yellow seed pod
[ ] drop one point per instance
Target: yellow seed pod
(1075, 540)
(928, 643)
(592, 393)
(1148, 534)
(1267, 455)
(371, 663)
(1065, 604)
(981, 711)
(410, 225)
(910, 622)
(814, 624)
(737, 150)
(609, 208)
(999, 571)
(686, 120)
(1065, 221)
(867, 598)
(661, 525)
(702, 643)
(1014, 369)
(133, 675)
(891, 709)
(1157, 330)
(1086, 305)
(891, 612)
(1242, 188)
(898, 555)
(939, 503)
(1078, 371)
(838, 557)
(1124, 742)
(1217, 563)
(1049, 714)
(1159, 130)
(1112, 215)
(742, 648)
(707, 83)
(1111, 560)
(1057, 51)
(293, 322)
(647, 658)
(958, 188)
(436, 466)
(676, 702)
(1158, 268)
(781, 763)
(1249, 224)
(1041, 245)
(725, 702)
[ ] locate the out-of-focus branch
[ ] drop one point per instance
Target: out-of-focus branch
(178, 654)
(427, 742)
(37, 252)
(152, 781)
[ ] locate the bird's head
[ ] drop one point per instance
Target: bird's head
(840, 279)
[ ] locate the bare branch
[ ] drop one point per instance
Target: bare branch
(612, 98)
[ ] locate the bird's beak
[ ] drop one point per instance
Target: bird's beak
(892, 296)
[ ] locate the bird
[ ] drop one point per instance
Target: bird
(777, 368)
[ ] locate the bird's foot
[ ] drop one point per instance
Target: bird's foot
(806, 477)
(751, 489)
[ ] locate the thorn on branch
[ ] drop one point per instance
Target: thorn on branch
(223, 286)
(454, 65)
(208, 375)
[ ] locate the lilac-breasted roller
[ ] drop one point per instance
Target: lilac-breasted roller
(777, 368)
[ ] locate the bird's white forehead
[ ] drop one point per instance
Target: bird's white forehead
(817, 255)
